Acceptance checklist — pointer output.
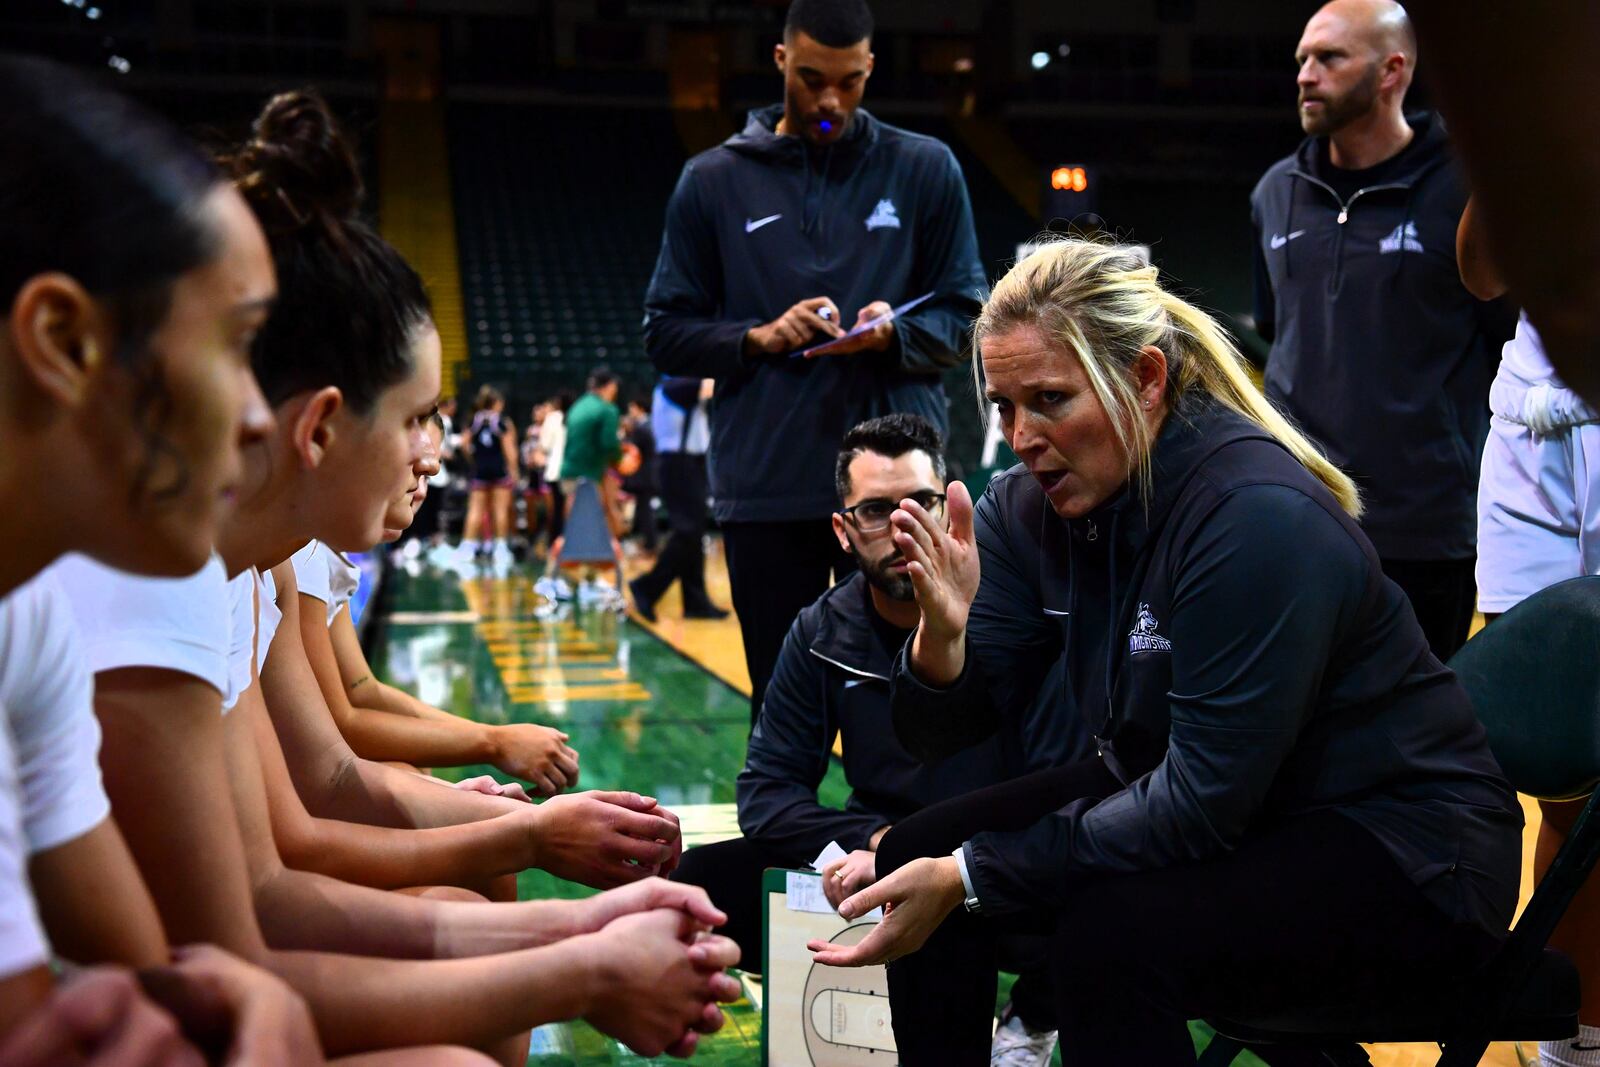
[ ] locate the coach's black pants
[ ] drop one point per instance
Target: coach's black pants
(730, 873)
(776, 569)
(1443, 594)
(683, 558)
(1307, 912)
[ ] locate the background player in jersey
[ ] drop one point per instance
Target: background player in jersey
(491, 444)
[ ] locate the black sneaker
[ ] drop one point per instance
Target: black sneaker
(645, 607)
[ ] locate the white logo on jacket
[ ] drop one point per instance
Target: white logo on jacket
(752, 225)
(883, 215)
(1279, 240)
(1143, 636)
(1402, 238)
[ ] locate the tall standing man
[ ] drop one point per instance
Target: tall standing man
(816, 217)
(1378, 351)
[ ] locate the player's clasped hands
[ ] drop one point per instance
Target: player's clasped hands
(537, 754)
(659, 978)
(605, 839)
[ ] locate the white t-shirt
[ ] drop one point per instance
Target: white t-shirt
(553, 441)
(22, 942)
(50, 787)
(326, 575)
(1527, 391)
(48, 694)
(241, 637)
(177, 624)
(1524, 356)
(268, 614)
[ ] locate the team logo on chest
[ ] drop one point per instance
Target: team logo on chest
(1143, 636)
(883, 215)
(1402, 238)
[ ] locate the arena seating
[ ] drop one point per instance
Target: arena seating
(559, 215)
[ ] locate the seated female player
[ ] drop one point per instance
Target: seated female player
(381, 722)
(350, 363)
(1294, 803)
(132, 277)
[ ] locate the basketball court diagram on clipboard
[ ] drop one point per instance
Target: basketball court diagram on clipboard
(814, 1015)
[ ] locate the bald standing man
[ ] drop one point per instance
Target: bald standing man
(1378, 350)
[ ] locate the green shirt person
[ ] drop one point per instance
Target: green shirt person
(592, 440)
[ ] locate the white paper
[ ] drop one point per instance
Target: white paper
(804, 892)
(828, 855)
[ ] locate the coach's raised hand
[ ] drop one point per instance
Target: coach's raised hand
(943, 565)
(794, 328)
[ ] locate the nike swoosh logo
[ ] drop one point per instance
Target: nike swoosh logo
(752, 225)
(1053, 611)
(1279, 240)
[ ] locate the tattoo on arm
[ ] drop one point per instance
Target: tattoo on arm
(360, 681)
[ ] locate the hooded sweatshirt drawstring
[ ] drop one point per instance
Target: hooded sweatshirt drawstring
(811, 218)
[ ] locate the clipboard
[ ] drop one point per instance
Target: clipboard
(813, 1015)
(870, 324)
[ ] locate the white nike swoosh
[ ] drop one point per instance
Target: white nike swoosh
(1278, 240)
(1053, 611)
(752, 225)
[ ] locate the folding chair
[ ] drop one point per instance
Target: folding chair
(1534, 678)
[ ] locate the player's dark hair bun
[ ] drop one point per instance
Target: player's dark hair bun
(298, 169)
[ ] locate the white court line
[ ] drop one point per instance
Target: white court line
(417, 617)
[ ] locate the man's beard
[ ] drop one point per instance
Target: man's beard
(895, 586)
(1338, 112)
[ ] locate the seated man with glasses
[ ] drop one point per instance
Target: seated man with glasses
(832, 680)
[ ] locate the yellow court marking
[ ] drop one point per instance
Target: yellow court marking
(549, 664)
(534, 645)
(506, 660)
(563, 675)
(705, 824)
(566, 694)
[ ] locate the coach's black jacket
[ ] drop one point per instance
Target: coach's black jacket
(1378, 350)
(761, 222)
(832, 678)
(1241, 657)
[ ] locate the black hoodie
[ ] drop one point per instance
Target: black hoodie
(832, 680)
(1236, 649)
(1378, 351)
(762, 222)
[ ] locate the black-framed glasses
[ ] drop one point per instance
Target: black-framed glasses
(872, 516)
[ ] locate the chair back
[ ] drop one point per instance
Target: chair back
(1534, 678)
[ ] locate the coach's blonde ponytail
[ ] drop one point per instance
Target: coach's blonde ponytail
(1103, 303)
